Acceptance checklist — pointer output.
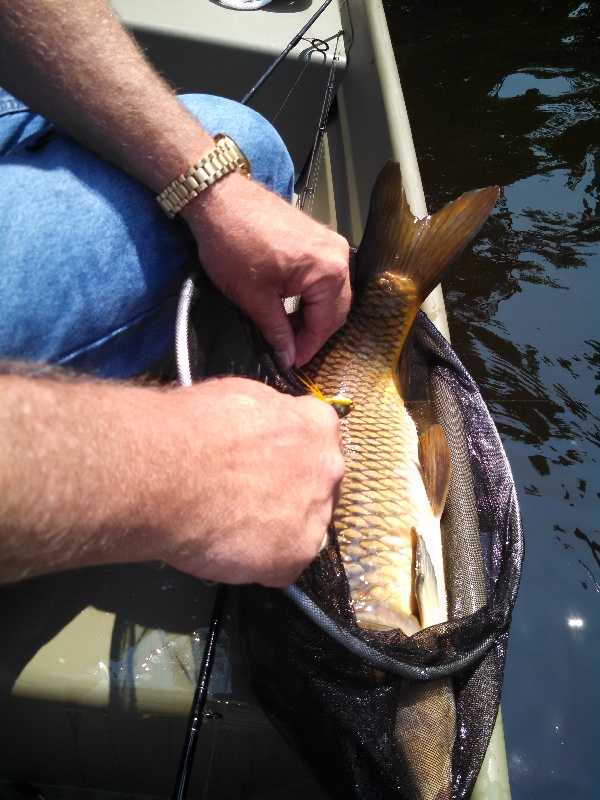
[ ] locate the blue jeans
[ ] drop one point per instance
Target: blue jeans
(90, 267)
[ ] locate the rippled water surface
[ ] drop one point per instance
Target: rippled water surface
(509, 93)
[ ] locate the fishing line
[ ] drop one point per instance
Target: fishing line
(322, 127)
(284, 53)
(289, 94)
(320, 46)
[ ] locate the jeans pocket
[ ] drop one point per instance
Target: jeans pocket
(19, 125)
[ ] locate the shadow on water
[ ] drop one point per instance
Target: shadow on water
(509, 93)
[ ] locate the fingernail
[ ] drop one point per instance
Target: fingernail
(285, 357)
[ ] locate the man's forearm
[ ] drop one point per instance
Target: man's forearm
(228, 480)
(75, 64)
(79, 466)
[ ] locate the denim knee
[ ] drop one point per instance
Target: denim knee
(263, 146)
(94, 285)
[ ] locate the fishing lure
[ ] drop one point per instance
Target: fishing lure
(341, 404)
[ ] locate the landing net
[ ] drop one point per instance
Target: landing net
(338, 693)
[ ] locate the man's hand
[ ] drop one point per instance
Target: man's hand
(258, 250)
(268, 468)
(228, 480)
(255, 247)
(93, 473)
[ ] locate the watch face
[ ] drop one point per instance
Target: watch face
(242, 164)
(203, 174)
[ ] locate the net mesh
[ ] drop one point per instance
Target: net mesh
(368, 709)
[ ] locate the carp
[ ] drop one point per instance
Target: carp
(387, 522)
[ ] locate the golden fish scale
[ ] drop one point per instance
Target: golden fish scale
(383, 497)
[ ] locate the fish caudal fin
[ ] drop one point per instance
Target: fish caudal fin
(426, 587)
(420, 249)
(434, 458)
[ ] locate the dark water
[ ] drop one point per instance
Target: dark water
(509, 93)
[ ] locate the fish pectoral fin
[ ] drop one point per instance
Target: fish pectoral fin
(434, 459)
(426, 586)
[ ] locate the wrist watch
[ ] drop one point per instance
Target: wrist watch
(224, 158)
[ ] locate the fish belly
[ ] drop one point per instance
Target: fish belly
(383, 503)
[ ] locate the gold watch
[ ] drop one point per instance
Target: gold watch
(224, 158)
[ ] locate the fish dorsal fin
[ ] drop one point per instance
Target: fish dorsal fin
(419, 249)
(434, 458)
(426, 587)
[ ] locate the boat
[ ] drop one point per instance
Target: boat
(100, 665)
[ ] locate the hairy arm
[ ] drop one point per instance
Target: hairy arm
(71, 61)
(209, 479)
(228, 480)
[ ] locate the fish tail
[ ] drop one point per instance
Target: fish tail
(418, 249)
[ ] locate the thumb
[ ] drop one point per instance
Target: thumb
(275, 326)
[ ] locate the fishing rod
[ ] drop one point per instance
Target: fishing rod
(200, 696)
(321, 128)
(284, 53)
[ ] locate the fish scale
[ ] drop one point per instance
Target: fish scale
(383, 497)
(388, 533)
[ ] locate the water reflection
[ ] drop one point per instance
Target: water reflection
(150, 665)
(510, 94)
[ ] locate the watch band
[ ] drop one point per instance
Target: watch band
(224, 158)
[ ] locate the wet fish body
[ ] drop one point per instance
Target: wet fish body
(384, 506)
(387, 522)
